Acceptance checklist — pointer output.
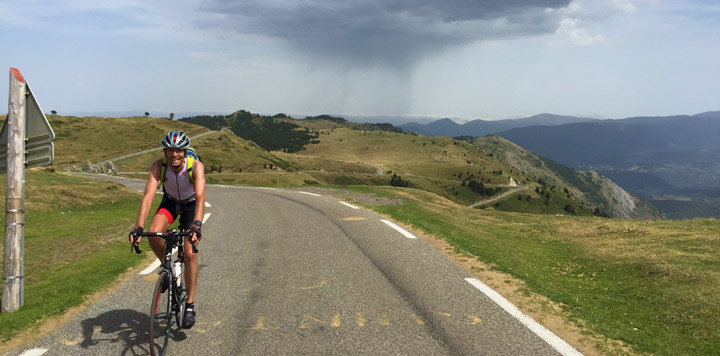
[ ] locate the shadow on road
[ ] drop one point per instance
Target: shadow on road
(124, 325)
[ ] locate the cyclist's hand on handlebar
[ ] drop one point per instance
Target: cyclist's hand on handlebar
(135, 236)
(196, 234)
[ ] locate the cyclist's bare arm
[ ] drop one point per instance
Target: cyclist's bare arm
(199, 174)
(150, 188)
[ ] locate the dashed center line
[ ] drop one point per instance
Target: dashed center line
(34, 352)
(348, 204)
(399, 229)
(313, 194)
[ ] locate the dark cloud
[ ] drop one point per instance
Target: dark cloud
(385, 32)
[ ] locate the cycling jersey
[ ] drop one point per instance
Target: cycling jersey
(178, 185)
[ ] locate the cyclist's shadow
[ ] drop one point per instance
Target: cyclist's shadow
(128, 326)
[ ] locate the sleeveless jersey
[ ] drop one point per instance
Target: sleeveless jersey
(178, 186)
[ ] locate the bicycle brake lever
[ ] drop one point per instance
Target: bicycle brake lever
(134, 246)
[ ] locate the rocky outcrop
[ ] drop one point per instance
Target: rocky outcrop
(621, 204)
(105, 167)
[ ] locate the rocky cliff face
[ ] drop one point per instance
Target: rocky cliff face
(621, 204)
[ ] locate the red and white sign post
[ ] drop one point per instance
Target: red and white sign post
(26, 141)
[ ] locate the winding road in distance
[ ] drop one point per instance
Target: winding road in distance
(286, 272)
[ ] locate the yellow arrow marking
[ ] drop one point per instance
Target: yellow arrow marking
(473, 320)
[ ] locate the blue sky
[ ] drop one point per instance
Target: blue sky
(481, 59)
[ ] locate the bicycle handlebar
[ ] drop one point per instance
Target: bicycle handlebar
(164, 235)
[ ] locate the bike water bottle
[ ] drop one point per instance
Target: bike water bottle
(177, 271)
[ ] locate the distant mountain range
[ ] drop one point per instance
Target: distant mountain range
(673, 161)
(447, 127)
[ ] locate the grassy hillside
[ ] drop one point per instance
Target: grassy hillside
(591, 188)
(79, 139)
(511, 180)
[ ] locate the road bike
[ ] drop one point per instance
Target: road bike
(169, 295)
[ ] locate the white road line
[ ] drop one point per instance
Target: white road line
(207, 215)
(151, 268)
(350, 205)
(553, 340)
(399, 229)
(313, 194)
(207, 205)
(34, 352)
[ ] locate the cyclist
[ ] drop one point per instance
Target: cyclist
(182, 197)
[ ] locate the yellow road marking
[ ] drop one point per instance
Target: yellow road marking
(202, 331)
(334, 323)
(319, 284)
(384, 319)
(360, 319)
(473, 320)
(67, 342)
(354, 218)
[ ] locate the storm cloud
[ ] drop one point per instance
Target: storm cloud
(390, 33)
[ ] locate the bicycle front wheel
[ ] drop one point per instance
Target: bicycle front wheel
(160, 317)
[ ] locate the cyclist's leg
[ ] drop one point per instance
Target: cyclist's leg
(159, 223)
(191, 271)
(164, 216)
(191, 262)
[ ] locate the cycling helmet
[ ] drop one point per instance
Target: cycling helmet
(176, 139)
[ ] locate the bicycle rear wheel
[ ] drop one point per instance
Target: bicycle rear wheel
(160, 317)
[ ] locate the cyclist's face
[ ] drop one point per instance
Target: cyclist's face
(175, 156)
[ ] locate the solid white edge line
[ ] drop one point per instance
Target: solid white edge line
(399, 229)
(350, 205)
(34, 352)
(313, 194)
(553, 340)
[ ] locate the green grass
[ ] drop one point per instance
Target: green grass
(652, 285)
(74, 244)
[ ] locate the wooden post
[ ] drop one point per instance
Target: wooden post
(14, 214)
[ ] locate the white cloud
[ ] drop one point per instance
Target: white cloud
(570, 30)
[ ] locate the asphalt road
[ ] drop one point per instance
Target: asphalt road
(284, 272)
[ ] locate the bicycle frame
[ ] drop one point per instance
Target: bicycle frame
(176, 297)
